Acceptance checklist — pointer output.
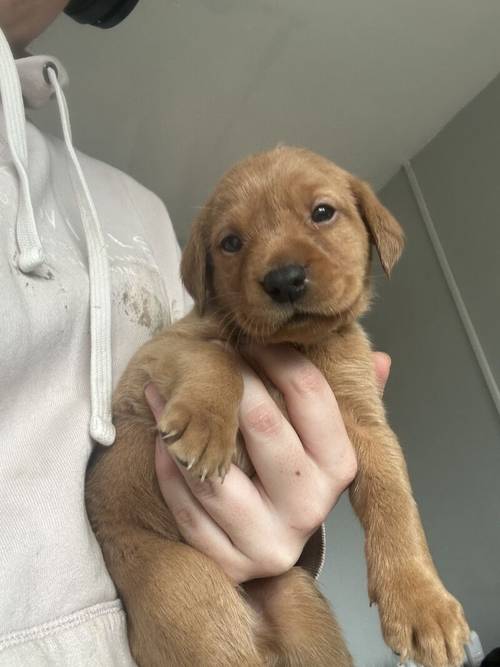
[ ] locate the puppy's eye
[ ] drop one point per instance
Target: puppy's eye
(323, 213)
(231, 243)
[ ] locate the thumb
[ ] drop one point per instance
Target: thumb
(382, 363)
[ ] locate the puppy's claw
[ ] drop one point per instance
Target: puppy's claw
(183, 463)
(170, 437)
(201, 438)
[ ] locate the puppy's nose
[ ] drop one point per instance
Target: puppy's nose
(287, 283)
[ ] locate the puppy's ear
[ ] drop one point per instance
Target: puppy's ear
(385, 230)
(195, 264)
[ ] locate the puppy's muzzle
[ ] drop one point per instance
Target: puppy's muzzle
(286, 283)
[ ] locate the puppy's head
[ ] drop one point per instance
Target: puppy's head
(281, 250)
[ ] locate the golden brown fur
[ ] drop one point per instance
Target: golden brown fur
(182, 610)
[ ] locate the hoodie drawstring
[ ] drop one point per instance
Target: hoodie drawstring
(101, 426)
(31, 258)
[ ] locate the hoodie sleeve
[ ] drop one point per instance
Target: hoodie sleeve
(313, 556)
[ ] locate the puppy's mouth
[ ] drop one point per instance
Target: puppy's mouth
(299, 319)
(302, 316)
(267, 324)
(303, 326)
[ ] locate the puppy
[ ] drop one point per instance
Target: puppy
(280, 253)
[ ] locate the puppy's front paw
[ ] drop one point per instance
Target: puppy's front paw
(421, 621)
(201, 437)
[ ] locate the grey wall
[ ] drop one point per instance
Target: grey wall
(437, 399)
(343, 581)
(459, 174)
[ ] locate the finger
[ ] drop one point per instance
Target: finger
(229, 523)
(310, 403)
(196, 526)
(237, 506)
(206, 510)
(382, 368)
(283, 468)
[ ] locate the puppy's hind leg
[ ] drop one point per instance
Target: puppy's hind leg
(300, 629)
(182, 610)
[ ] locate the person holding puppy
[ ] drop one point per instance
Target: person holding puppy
(89, 271)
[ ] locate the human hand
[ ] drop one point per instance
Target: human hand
(258, 527)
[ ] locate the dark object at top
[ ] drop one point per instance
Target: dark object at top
(492, 659)
(100, 13)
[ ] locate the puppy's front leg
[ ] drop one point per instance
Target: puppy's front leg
(202, 385)
(200, 420)
(420, 619)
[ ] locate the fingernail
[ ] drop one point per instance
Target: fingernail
(171, 437)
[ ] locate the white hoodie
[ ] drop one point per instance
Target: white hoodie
(70, 319)
(58, 605)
